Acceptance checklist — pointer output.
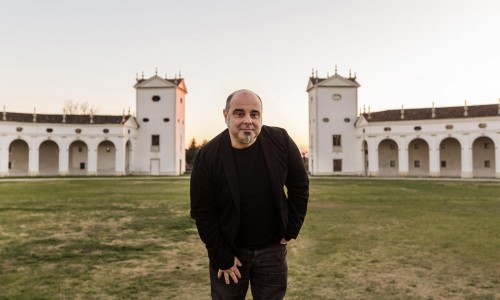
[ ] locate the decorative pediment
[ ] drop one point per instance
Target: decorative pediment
(334, 81)
(154, 82)
(131, 122)
(361, 121)
(338, 81)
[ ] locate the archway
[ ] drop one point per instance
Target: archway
(450, 156)
(483, 157)
(128, 153)
(18, 158)
(106, 154)
(365, 158)
(48, 158)
(78, 158)
(418, 158)
(388, 164)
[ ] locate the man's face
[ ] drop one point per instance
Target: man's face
(244, 119)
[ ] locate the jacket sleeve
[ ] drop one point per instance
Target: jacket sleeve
(297, 184)
(204, 211)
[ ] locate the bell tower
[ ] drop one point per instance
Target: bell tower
(333, 106)
(160, 145)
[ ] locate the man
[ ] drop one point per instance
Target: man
(242, 212)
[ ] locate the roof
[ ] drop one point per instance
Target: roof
(315, 80)
(157, 81)
(69, 119)
(455, 112)
(332, 81)
(175, 81)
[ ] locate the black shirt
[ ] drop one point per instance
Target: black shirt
(259, 222)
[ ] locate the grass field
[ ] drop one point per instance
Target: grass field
(132, 238)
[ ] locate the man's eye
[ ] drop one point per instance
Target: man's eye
(254, 115)
(239, 114)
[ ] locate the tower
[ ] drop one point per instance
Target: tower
(160, 144)
(333, 105)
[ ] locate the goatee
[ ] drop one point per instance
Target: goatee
(247, 138)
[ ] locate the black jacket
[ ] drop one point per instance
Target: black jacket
(215, 197)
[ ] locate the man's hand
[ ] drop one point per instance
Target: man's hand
(233, 272)
(283, 241)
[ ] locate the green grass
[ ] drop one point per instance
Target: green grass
(132, 238)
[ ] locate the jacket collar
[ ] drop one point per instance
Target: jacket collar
(227, 159)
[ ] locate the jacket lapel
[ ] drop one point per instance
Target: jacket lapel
(270, 157)
(230, 169)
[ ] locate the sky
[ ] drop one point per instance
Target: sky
(409, 53)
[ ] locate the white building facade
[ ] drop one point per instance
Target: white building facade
(78, 145)
(460, 141)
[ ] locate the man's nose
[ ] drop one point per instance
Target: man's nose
(247, 120)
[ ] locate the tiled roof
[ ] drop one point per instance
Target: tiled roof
(455, 112)
(70, 119)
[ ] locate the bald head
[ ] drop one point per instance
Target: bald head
(230, 97)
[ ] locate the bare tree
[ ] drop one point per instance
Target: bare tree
(93, 110)
(79, 108)
(70, 107)
(84, 106)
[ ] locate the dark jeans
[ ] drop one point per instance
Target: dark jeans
(265, 270)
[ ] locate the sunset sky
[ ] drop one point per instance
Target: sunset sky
(409, 53)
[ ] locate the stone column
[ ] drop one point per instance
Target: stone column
(497, 156)
(403, 156)
(120, 158)
(34, 158)
(372, 156)
(467, 167)
(63, 160)
(131, 158)
(92, 160)
(434, 163)
(4, 159)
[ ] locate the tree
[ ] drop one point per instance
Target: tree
(84, 106)
(79, 108)
(191, 151)
(70, 107)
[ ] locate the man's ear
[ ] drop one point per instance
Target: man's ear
(226, 117)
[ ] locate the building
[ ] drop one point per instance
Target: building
(461, 141)
(150, 144)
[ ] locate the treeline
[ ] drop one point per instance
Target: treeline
(191, 152)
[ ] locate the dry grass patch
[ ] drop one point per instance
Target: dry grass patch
(362, 239)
